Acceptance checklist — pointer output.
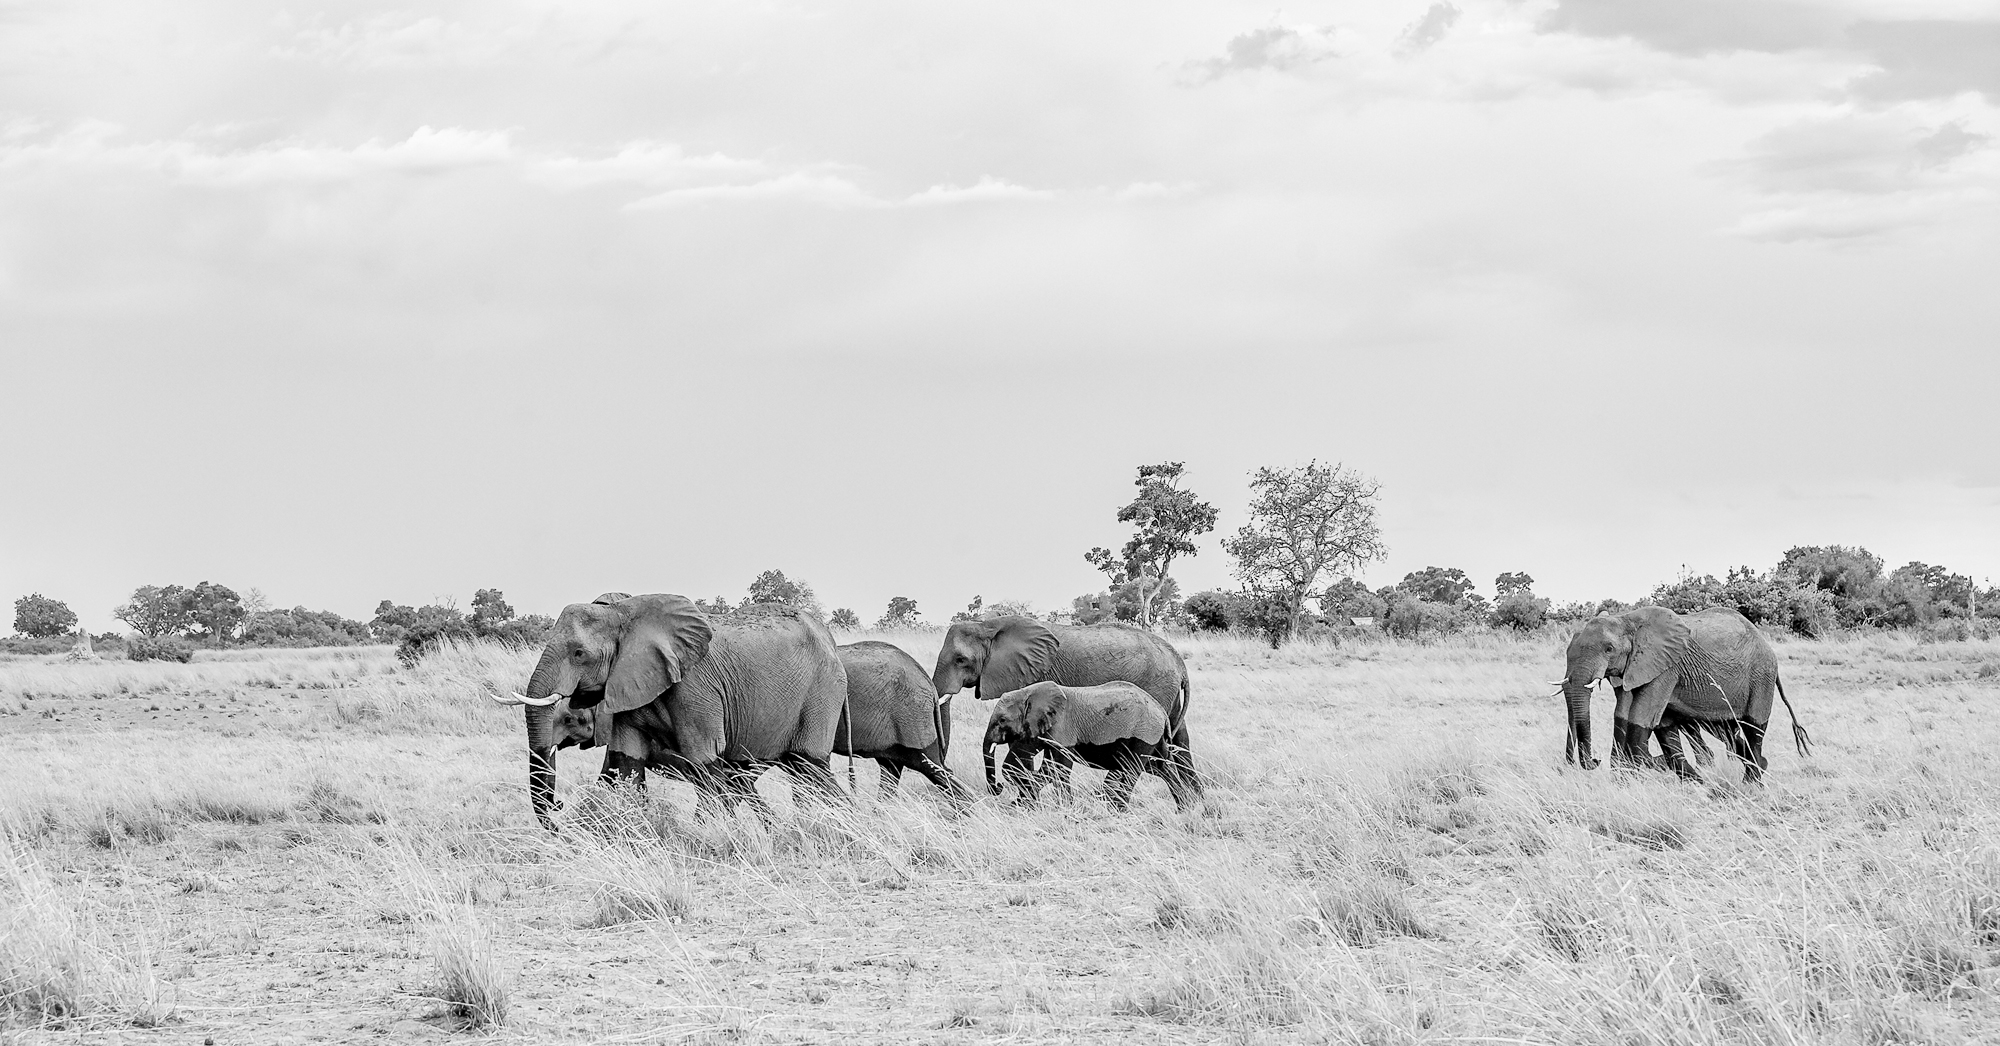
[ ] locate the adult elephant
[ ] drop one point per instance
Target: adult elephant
(667, 687)
(895, 717)
(1004, 654)
(1711, 667)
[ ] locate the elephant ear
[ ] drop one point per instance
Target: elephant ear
(1051, 715)
(664, 636)
(1659, 644)
(1022, 651)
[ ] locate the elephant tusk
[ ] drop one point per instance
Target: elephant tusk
(943, 699)
(500, 699)
(522, 699)
(1557, 682)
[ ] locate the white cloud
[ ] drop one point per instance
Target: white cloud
(638, 163)
(1280, 48)
(403, 41)
(986, 189)
(803, 187)
(96, 146)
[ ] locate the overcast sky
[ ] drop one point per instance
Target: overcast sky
(377, 301)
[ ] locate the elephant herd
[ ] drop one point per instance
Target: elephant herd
(659, 685)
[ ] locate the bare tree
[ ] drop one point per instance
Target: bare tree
(1305, 522)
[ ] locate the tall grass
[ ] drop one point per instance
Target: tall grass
(57, 967)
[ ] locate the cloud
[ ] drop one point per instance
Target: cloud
(804, 187)
(987, 188)
(638, 163)
(1278, 47)
(403, 41)
(1697, 27)
(94, 146)
(1437, 21)
(1863, 176)
(1929, 59)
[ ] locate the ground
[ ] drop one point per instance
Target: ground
(325, 847)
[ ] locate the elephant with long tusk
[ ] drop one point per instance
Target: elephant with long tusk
(664, 686)
(1689, 729)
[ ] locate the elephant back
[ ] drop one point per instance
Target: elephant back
(1094, 654)
(1112, 712)
(773, 675)
(890, 699)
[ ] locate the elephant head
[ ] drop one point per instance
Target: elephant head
(605, 657)
(994, 657)
(1630, 649)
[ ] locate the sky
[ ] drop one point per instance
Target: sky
(373, 301)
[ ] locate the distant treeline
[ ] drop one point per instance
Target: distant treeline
(169, 621)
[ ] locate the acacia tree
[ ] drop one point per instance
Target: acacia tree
(1305, 522)
(215, 609)
(155, 611)
(41, 617)
(1166, 519)
(902, 613)
(772, 586)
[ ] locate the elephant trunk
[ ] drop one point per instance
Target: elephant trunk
(541, 738)
(1578, 685)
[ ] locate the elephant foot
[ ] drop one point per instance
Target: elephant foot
(1591, 764)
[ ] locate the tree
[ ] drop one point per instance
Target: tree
(902, 613)
(391, 622)
(1304, 522)
(489, 612)
(1447, 585)
(1209, 612)
(1347, 599)
(1852, 576)
(1165, 519)
(1506, 583)
(772, 586)
(155, 611)
(215, 610)
(845, 620)
(1515, 604)
(972, 610)
(41, 617)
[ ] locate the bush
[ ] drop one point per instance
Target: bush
(1521, 610)
(146, 648)
(1409, 617)
(1347, 599)
(1209, 612)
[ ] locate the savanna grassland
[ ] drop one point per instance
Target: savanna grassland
(325, 847)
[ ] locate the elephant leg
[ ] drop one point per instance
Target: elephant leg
(892, 774)
(816, 776)
(1670, 744)
(1181, 784)
(929, 762)
(1020, 770)
(1624, 752)
(1692, 731)
(1749, 747)
(1057, 764)
(609, 773)
(1118, 786)
(993, 774)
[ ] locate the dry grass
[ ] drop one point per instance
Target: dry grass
(1392, 853)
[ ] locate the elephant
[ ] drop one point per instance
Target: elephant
(668, 688)
(894, 716)
(1672, 670)
(1689, 729)
(1116, 727)
(1003, 654)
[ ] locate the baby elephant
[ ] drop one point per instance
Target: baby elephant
(1115, 727)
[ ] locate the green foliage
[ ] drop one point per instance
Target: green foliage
(431, 626)
(151, 648)
(1448, 585)
(902, 613)
(972, 611)
(1520, 609)
(1124, 602)
(845, 620)
(214, 611)
(772, 586)
(1209, 612)
(299, 627)
(155, 611)
(1347, 599)
(39, 617)
(1304, 522)
(1269, 614)
(1512, 582)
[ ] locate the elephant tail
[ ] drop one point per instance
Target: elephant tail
(1799, 735)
